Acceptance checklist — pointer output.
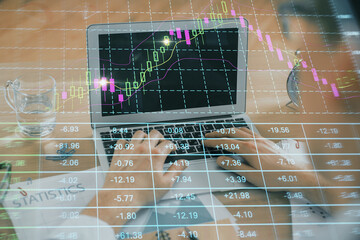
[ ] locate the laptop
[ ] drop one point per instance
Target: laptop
(183, 78)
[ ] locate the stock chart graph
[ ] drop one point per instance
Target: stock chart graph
(209, 119)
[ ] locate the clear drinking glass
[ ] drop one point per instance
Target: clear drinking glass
(34, 102)
(5, 176)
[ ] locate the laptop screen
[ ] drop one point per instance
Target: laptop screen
(164, 71)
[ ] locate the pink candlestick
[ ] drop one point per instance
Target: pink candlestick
(112, 85)
(335, 90)
(304, 64)
(279, 53)
(290, 65)
(178, 33)
(242, 21)
(121, 97)
(268, 39)
(187, 37)
(315, 75)
(96, 83)
(104, 84)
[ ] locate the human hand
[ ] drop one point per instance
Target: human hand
(261, 154)
(139, 164)
(267, 162)
(135, 172)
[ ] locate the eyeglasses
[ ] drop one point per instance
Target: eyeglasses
(5, 168)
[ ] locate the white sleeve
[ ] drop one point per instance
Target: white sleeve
(84, 227)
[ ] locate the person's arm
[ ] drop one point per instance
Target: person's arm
(139, 164)
(264, 154)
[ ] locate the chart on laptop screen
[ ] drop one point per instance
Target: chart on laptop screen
(162, 71)
(179, 119)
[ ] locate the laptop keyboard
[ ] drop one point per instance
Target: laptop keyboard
(187, 138)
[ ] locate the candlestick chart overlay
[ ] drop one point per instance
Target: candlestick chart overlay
(180, 119)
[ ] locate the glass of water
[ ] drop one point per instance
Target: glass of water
(5, 175)
(33, 100)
